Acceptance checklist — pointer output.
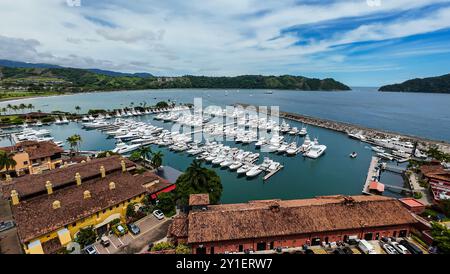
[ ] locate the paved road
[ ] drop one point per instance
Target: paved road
(152, 230)
(9, 241)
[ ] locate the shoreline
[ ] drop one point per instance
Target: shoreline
(346, 128)
(33, 97)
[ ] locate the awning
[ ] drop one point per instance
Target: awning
(167, 189)
(35, 247)
(374, 185)
(64, 236)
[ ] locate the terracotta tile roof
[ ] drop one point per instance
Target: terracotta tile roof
(269, 218)
(33, 184)
(179, 227)
(35, 217)
(198, 199)
(36, 150)
(51, 246)
(436, 171)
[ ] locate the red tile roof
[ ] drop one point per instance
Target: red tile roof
(198, 199)
(270, 218)
(35, 150)
(36, 216)
(34, 184)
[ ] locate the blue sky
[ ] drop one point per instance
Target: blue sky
(358, 42)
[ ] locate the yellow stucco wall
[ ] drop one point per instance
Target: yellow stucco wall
(92, 220)
(20, 158)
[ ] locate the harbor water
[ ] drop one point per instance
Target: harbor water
(333, 173)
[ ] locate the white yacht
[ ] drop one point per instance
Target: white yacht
(123, 148)
(293, 131)
(316, 150)
(254, 171)
(378, 149)
(243, 169)
(303, 131)
(235, 165)
(306, 144)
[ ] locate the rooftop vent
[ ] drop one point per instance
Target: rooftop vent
(56, 204)
(86, 194)
(112, 185)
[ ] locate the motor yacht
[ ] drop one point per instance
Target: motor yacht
(123, 148)
(316, 150)
(243, 169)
(254, 171)
(235, 165)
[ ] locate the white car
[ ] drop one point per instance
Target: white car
(91, 250)
(399, 248)
(158, 214)
(389, 249)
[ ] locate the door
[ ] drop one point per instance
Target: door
(261, 246)
(241, 248)
(377, 236)
(368, 236)
(402, 233)
(315, 241)
(211, 251)
(200, 250)
(271, 245)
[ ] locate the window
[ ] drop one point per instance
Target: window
(25, 162)
(241, 248)
(74, 224)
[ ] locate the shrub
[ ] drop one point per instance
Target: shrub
(115, 221)
(117, 232)
(417, 195)
(86, 236)
(163, 246)
(182, 249)
(130, 210)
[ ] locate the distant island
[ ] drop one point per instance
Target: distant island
(439, 84)
(51, 80)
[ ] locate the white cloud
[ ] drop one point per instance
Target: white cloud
(221, 37)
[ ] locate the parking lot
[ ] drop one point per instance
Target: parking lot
(151, 228)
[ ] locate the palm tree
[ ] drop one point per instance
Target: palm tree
(145, 152)
(6, 160)
(74, 142)
(78, 108)
(9, 107)
(30, 106)
(157, 159)
(197, 174)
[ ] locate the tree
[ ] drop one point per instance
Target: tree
(145, 152)
(441, 236)
(86, 236)
(198, 179)
(135, 156)
(6, 160)
(74, 142)
(78, 108)
(182, 249)
(130, 210)
(157, 159)
(162, 104)
(163, 246)
(444, 205)
(166, 203)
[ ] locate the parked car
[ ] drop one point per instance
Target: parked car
(5, 225)
(135, 230)
(90, 250)
(279, 249)
(158, 214)
(414, 249)
(389, 249)
(385, 239)
(400, 248)
(309, 251)
(121, 229)
(104, 241)
(347, 250)
(352, 241)
(339, 251)
(366, 247)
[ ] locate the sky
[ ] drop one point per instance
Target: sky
(357, 42)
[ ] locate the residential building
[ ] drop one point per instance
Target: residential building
(50, 209)
(438, 177)
(33, 157)
(269, 224)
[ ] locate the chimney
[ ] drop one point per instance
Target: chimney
(102, 171)
(83, 161)
(88, 159)
(14, 197)
(108, 154)
(56, 204)
(78, 178)
(8, 178)
(49, 187)
(112, 185)
(124, 167)
(86, 194)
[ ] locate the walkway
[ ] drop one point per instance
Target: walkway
(415, 186)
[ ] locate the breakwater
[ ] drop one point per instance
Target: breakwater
(369, 133)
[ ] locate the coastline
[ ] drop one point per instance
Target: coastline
(342, 127)
(33, 96)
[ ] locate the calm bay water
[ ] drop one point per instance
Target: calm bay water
(425, 115)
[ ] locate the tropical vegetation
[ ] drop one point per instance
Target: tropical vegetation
(6, 160)
(74, 143)
(439, 84)
(86, 236)
(441, 237)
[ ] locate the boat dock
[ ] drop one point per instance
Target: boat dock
(270, 174)
(373, 171)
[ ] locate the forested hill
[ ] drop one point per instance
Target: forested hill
(80, 80)
(439, 84)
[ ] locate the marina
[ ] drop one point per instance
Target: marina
(303, 176)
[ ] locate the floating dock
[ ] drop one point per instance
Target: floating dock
(270, 174)
(372, 172)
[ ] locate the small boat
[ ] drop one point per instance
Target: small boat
(378, 149)
(243, 169)
(235, 165)
(303, 131)
(353, 154)
(39, 124)
(316, 150)
(254, 171)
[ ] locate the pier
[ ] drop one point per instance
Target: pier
(270, 174)
(395, 169)
(373, 171)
